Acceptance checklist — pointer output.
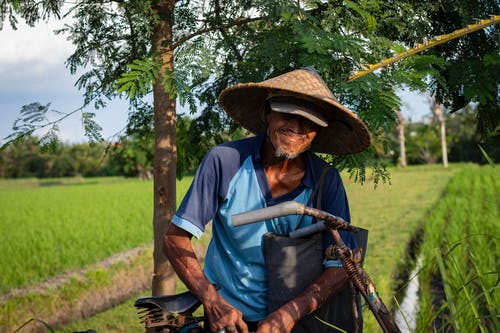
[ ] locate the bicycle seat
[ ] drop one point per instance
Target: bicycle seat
(178, 303)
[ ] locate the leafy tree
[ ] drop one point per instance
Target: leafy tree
(471, 71)
(464, 141)
(423, 145)
(31, 158)
(130, 47)
(133, 157)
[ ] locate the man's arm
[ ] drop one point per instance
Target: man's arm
(179, 251)
(333, 280)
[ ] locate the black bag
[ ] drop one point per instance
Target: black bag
(293, 264)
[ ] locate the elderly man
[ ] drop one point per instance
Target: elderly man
(293, 115)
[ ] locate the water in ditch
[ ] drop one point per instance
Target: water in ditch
(406, 315)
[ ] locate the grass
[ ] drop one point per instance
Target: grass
(96, 285)
(47, 230)
(122, 318)
(392, 213)
(461, 249)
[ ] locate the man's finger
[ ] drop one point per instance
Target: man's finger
(242, 326)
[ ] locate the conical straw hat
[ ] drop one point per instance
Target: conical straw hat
(345, 134)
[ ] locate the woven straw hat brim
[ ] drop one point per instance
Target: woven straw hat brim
(345, 134)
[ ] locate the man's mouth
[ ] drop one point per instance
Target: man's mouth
(291, 133)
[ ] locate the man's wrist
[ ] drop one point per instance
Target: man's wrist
(209, 294)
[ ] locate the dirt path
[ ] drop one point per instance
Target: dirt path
(123, 276)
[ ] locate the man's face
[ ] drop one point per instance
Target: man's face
(290, 134)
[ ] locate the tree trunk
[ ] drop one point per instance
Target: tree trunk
(165, 157)
(437, 109)
(401, 138)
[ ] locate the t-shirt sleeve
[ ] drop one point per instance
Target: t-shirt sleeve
(200, 203)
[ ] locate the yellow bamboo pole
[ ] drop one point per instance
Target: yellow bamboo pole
(494, 19)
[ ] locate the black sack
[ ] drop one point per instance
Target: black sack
(292, 265)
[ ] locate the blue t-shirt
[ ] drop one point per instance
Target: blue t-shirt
(231, 180)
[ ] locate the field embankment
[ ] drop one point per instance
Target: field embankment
(77, 294)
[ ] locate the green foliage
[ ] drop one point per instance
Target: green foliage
(470, 74)
(37, 118)
(30, 11)
(217, 44)
(109, 36)
(137, 82)
(31, 118)
(133, 156)
(423, 143)
(292, 37)
(92, 129)
(32, 157)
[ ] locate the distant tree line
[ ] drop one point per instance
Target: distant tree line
(132, 155)
(464, 142)
(28, 158)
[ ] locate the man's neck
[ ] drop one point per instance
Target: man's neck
(283, 175)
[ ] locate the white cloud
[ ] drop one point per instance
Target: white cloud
(38, 45)
(32, 70)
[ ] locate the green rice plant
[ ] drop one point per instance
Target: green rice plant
(52, 229)
(381, 210)
(461, 250)
(393, 213)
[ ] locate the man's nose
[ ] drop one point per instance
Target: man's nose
(299, 124)
(294, 121)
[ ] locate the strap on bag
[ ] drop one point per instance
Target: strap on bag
(293, 264)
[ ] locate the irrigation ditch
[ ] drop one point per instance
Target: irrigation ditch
(407, 284)
(407, 290)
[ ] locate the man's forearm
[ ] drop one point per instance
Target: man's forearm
(330, 282)
(179, 251)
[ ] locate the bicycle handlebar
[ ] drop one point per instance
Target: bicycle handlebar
(332, 223)
(279, 210)
(326, 220)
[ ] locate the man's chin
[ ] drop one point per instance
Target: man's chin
(285, 155)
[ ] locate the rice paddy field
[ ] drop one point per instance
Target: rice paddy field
(461, 250)
(59, 225)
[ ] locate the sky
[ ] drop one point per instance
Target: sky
(32, 69)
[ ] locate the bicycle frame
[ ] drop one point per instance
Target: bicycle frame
(172, 313)
(356, 273)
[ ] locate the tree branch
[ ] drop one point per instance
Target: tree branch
(223, 31)
(238, 21)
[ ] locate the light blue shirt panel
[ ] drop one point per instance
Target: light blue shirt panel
(235, 259)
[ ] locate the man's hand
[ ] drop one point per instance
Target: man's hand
(222, 316)
(179, 251)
